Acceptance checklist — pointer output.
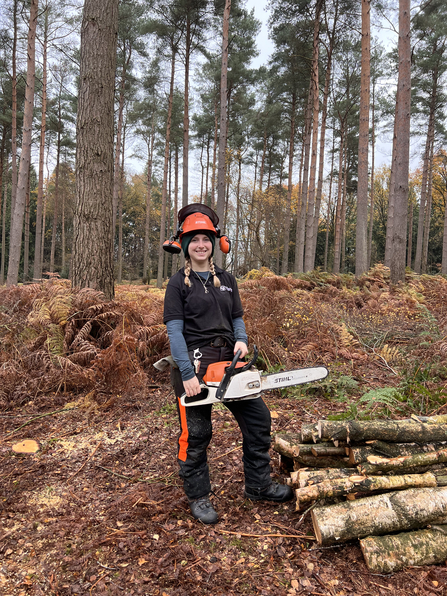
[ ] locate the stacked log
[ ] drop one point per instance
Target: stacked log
(393, 475)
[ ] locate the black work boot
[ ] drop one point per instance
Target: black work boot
(274, 492)
(203, 510)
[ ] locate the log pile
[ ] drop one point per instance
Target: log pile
(367, 480)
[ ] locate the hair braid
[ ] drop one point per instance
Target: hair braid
(187, 272)
(216, 280)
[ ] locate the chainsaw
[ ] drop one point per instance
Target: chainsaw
(227, 381)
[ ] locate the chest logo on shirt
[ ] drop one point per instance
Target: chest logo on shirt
(225, 289)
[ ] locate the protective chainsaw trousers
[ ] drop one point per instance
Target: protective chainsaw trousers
(253, 418)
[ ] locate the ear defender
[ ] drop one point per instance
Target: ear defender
(225, 244)
(172, 246)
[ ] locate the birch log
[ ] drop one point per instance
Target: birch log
(309, 433)
(304, 477)
(393, 431)
(381, 514)
(360, 454)
(377, 465)
(289, 445)
(327, 449)
(387, 554)
(339, 487)
(310, 461)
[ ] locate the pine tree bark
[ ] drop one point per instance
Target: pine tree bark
(311, 214)
(288, 214)
(92, 260)
(14, 112)
(221, 168)
(399, 245)
(15, 244)
(164, 192)
(304, 189)
(37, 272)
(361, 243)
(147, 225)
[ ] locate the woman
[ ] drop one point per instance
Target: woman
(203, 315)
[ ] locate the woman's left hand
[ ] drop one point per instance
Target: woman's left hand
(239, 345)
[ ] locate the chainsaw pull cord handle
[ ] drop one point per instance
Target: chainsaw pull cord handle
(231, 371)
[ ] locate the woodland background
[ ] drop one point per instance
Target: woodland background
(295, 189)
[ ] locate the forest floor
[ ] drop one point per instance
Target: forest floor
(99, 509)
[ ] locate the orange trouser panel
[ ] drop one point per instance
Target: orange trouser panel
(183, 440)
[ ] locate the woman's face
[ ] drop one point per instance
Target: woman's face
(200, 249)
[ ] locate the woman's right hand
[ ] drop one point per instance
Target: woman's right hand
(192, 387)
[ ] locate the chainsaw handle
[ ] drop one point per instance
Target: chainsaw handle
(231, 371)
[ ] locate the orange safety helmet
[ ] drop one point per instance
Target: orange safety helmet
(196, 218)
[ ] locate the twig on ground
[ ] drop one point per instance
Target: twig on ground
(267, 535)
(300, 521)
(227, 453)
(86, 461)
(142, 480)
(11, 432)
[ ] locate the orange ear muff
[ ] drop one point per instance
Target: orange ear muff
(225, 244)
(172, 247)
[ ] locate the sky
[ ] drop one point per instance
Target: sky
(265, 46)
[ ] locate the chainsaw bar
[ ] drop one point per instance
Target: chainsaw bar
(293, 377)
(249, 385)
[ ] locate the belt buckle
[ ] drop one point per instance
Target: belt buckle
(218, 343)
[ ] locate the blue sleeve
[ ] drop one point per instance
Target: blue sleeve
(240, 334)
(179, 349)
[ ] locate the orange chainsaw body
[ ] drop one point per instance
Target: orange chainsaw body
(215, 372)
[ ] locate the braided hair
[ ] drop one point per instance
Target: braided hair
(187, 271)
(216, 281)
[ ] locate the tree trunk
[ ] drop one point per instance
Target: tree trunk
(2, 265)
(147, 226)
(56, 195)
(398, 246)
(428, 213)
(118, 148)
(388, 554)
(361, 243)
(380, 514)
(15, 244)
(43, 126)
(311, 215)
(164, 192)
(26, 233)
(14, 113)
(339, 487)
(288, 214)
(339, 208)
(175, 207)
(92, 260)
(301, 211)
(186, 113)
(373, 152)
(328, 216)
(221, 169)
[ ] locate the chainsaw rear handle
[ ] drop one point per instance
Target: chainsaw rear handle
(231, 371)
